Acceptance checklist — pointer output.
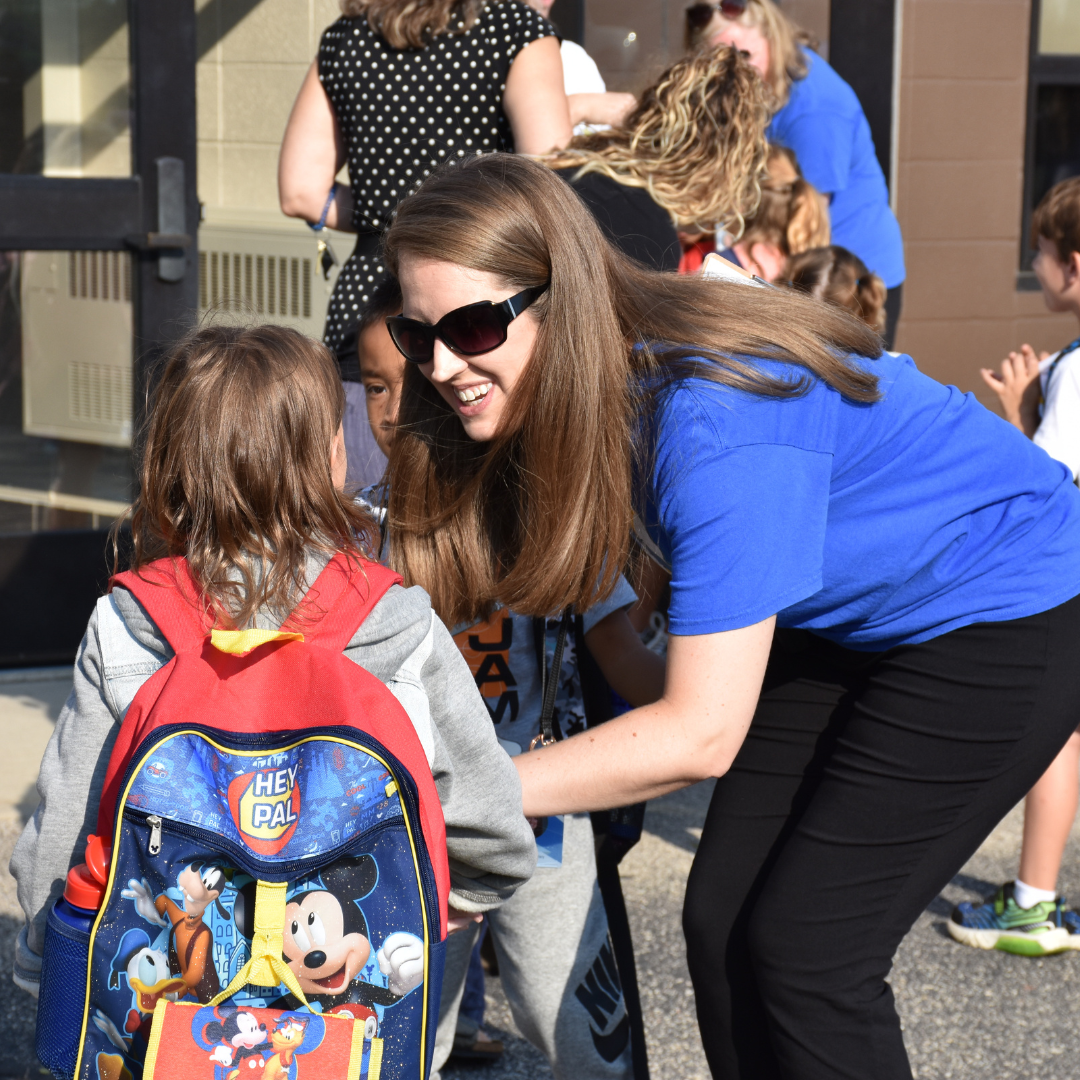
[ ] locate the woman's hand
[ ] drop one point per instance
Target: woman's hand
(1017, 387)
(534, 99)
(312, 154)
(610, 108)
(693, 732)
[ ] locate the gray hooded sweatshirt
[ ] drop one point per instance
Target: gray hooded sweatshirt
(402, 642)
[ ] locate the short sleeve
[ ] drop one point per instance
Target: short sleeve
(743, 526)
(522, 26)
(622, 597)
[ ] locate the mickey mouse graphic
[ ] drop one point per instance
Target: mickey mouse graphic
(326, 943)
(242, 1041)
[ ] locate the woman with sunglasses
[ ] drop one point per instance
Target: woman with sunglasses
(553, 940)
(819, 117)
(875, 595)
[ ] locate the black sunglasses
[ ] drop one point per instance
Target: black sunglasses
(700, 15)
(470, 330)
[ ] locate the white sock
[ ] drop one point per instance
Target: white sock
(1027, 896)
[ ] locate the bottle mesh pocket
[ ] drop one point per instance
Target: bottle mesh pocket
(62, 997)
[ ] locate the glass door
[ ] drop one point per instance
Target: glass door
(97, 273)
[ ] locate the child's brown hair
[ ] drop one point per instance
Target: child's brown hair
(792, 214)
(236, 467)
(840, 277)
(1057, 217)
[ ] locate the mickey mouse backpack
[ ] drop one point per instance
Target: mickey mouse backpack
(275, 902)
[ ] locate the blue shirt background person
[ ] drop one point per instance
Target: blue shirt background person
(824, 124)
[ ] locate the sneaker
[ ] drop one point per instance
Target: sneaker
(998, 922)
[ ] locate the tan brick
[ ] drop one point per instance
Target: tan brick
(969, 39)
(960, 200)
(953, 119)
(960, 279)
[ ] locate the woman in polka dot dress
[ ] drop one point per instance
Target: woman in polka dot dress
(398, 88)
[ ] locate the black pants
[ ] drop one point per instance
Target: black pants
(865, 783)
(894, 302)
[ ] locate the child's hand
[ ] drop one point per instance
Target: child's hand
(459, 920)
(1017, 386)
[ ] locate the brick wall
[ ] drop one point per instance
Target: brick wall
(962, 105)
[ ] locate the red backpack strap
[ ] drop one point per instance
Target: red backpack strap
(167, 591)
(339, 600)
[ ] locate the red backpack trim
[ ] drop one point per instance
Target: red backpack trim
(332, 610)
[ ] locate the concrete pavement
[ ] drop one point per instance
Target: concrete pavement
(968, 1015)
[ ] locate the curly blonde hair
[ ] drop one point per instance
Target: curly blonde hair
(413, 24)
(695, 142)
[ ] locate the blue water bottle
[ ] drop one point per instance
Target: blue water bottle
(62, 994)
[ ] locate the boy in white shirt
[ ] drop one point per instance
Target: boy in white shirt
(1041, 396)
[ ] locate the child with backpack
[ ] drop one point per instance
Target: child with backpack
(530, 673)
(1041, 396)
(278, 748)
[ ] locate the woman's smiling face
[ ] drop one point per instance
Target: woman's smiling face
(476, 387)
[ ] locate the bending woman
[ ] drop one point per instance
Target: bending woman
(873, 600)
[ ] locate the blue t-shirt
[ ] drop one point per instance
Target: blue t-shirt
(824, 124)
(869, 524)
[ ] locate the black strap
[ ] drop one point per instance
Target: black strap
(549, 683)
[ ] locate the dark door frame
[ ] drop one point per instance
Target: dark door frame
(861, 49)
(53, 579)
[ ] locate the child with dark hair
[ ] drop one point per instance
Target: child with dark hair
(364, 347)
(839, 276)
(1041, 396)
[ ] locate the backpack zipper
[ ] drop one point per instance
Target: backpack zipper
(406, 792)
(265, 871)
(155, 834)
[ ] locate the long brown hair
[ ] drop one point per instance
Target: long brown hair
(236, 468)
(539, 518)
(840, 277)
(786, 61)
(695, 142)
(412, 24)
(792, 214)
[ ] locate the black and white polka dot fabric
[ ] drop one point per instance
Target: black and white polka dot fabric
(403, 112)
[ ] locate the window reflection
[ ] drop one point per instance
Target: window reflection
(64, 88)
(65, 389)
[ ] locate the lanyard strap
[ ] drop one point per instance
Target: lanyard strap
(1057, 360)
(549, 683)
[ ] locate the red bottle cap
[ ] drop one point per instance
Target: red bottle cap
(86, 882)
(83, 890)
(98, 857)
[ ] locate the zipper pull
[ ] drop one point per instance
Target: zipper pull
(155, 833)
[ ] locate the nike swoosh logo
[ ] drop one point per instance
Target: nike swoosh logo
(610, 1046)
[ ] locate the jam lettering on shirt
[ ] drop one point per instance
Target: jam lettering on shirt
(486, 648)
